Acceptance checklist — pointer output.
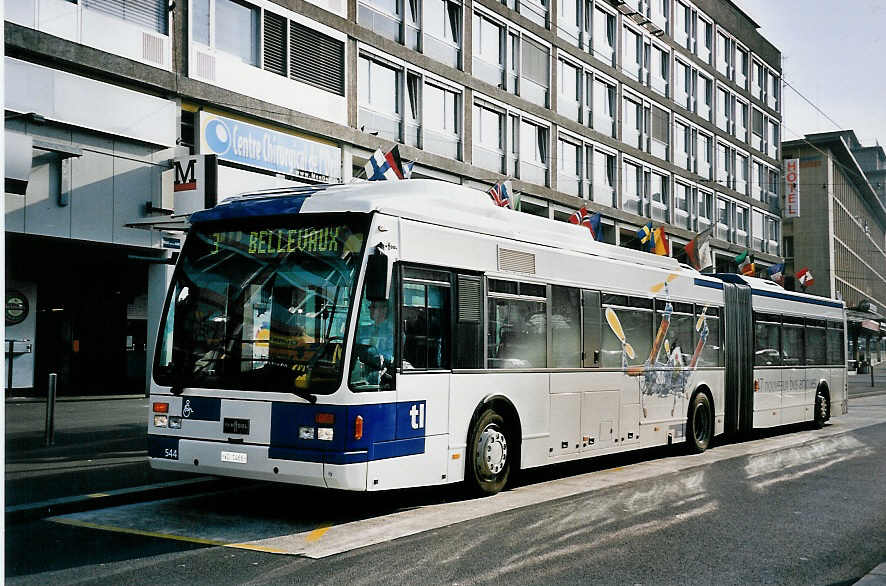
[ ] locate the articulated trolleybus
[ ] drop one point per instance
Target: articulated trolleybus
(397, 334)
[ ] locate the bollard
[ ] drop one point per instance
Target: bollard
(49, 438)
(872, 374)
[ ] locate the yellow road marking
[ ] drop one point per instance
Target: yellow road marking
(157, 534)
(317, 533)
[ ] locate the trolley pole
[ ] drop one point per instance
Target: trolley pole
(49, 437)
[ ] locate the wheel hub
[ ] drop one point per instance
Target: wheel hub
(492, 452)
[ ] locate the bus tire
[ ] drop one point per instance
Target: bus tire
(822, 407)
(491, 451)
(700, 424)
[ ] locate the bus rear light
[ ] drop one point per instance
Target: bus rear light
(756, 386)
(175, 422)
(160, 420)
(161, 407)
(324, 434)
(358, 427)
(324, 418)
(305, 433)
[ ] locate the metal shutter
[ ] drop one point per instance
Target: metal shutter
(275, 43)
(151, 14)
(316, 59)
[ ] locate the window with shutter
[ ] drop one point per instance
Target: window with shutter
(316, 59)
(275, 43)
(151, 14)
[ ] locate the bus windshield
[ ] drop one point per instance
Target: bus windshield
(261, 308)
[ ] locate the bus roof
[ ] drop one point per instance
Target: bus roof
(427, 200)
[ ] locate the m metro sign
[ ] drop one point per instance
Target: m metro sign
(792, 188)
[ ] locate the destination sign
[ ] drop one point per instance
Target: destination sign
(326, 240)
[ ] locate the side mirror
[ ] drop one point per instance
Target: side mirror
(377, 277)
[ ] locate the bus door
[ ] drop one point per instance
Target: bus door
(739, 343)
(425, 350)
(793, 376)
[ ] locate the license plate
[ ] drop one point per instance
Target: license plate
(236, 457)
(238, 426)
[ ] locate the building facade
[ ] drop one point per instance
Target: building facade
(648, 110)
(840, 236)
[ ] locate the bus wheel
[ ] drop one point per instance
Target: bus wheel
(489, 456)
(700, 426)
(822, 408)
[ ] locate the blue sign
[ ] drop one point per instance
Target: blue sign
(255, 146)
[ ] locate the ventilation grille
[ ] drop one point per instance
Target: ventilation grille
(469, 299)
(316, 59)
(204, 65)
(275, 43)
(152, 48)
(516, 261)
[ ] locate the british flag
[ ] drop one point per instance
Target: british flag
(501, 194)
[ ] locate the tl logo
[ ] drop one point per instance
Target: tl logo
(417, 416)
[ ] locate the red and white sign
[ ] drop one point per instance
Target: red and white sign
(792, 188)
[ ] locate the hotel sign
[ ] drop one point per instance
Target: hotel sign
(792, 188)
(271, 150)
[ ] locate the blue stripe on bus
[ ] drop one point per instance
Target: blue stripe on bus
(711, 284)
(777, 295)
(389, 430)
(252, 208)
(774, 294)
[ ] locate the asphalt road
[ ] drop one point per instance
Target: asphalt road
(793, 507)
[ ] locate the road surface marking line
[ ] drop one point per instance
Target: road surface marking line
(97, 495)
(317, 533)
(157, 534)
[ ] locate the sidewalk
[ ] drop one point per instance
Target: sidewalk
(100, 452)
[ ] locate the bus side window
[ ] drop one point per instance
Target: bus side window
(767, 346)
(592, 322)
(565, 327)
(425, 318)
(712, 353)
(835, 344)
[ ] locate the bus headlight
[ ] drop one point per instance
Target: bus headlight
(160, 420)
(175, 422)
(324, 433)
(306, 433)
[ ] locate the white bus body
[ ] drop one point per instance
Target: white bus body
(587, 383)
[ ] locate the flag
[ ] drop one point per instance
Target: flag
(746, 265)
(407, 169)
(501, 194)
(592, 222)
(776, 273)
(382, 167)
(699, 251)
(804, 276)
(662, 246)
(647, 240)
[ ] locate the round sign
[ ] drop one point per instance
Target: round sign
(16, 307)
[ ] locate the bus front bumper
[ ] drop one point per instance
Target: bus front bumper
(250, 461)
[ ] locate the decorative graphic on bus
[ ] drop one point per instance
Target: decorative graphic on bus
(667, 375)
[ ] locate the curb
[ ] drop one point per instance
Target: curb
(120, 496)
(876, 577)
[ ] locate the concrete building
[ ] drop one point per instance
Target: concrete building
(840, 236)
(662, 110)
